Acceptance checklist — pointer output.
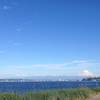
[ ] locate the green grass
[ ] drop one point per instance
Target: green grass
(70, 94)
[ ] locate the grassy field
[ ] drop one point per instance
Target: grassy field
(71, 94)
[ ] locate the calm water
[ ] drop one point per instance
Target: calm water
(37, 86)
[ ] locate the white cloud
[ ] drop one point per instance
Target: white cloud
(87, 73)
(72, 68)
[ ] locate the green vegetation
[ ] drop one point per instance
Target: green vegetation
(71, 94)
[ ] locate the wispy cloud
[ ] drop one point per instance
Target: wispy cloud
(9, 5)
(14, 43)
(49, 65)
(2, 51)
(72, 67)
(18, 29)
(5, 7)
(82, 63)
(79, 67)
(17, 44)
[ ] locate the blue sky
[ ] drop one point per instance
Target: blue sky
(49, 37)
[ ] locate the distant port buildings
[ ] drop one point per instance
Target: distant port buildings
(91, 79)
(45, 79)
